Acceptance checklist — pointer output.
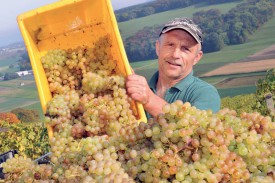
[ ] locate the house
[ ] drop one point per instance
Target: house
(24, 73)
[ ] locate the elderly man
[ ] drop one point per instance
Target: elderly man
(178, 48)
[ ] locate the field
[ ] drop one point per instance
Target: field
(258, 62)
(259, 47)
(12, 95)
(6, 60)
(242, 67)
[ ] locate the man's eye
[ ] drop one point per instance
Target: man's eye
(184, 49)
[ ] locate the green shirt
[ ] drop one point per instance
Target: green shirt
(191, 89)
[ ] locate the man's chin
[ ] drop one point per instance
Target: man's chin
(173, 76)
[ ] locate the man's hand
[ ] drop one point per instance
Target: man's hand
(138, 88)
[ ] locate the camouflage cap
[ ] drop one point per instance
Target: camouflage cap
(184, 24)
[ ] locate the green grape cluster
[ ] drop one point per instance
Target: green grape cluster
(97, 138)
(183, 144)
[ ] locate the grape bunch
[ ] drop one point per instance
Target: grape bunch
(189, 145)
(97, 138)
(183, 144)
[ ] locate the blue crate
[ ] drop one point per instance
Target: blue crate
(3, 158)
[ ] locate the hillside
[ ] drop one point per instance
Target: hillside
(130, 27)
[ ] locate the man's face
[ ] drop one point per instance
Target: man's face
(177, 52)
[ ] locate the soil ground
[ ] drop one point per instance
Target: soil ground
(258, 62)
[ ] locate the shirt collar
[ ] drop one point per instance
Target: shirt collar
(182, 85)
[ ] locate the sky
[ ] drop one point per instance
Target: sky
(10, 9)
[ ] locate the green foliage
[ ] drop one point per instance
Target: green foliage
(30, 140)
(25, 66)
(239, 103)
(254, 102)
(213, 42)
(26, 115)
(24, 62)
(11, 66)
(265, 86)
(158, 6)
(150, 8)
(9, 76)
(25, 57)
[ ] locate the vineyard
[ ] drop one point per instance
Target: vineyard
(97, 138)
(31, 140)
(255, 102)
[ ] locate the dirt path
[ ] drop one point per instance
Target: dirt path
(242, 67)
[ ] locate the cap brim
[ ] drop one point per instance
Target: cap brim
(196, 37)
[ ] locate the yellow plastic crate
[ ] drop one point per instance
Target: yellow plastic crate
(69, 24)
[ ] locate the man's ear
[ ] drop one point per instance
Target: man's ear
(157, 47)
(198, 57)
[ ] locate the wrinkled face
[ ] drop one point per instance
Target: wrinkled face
(177, 52)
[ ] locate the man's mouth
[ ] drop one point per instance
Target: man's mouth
(173, 63)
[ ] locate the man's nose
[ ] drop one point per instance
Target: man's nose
(176, 52)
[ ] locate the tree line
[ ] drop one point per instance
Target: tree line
(218, 29)
(158, 6)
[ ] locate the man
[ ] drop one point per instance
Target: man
(178, 48)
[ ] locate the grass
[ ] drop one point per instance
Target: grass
(231, 92)
(12, 96)
(129, 28)
(216, 79)
(5, 61)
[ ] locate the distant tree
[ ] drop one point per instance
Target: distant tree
(141, 46)
(24, 62)
(149, 8)
(23, 66)
(26, 115)
(11, 66)
(9, 117)
(146, 11)
(236, 33)
(25, 57)
(212, 42)
(250, 22)
(9, 76)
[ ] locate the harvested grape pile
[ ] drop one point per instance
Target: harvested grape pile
(98, 139)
